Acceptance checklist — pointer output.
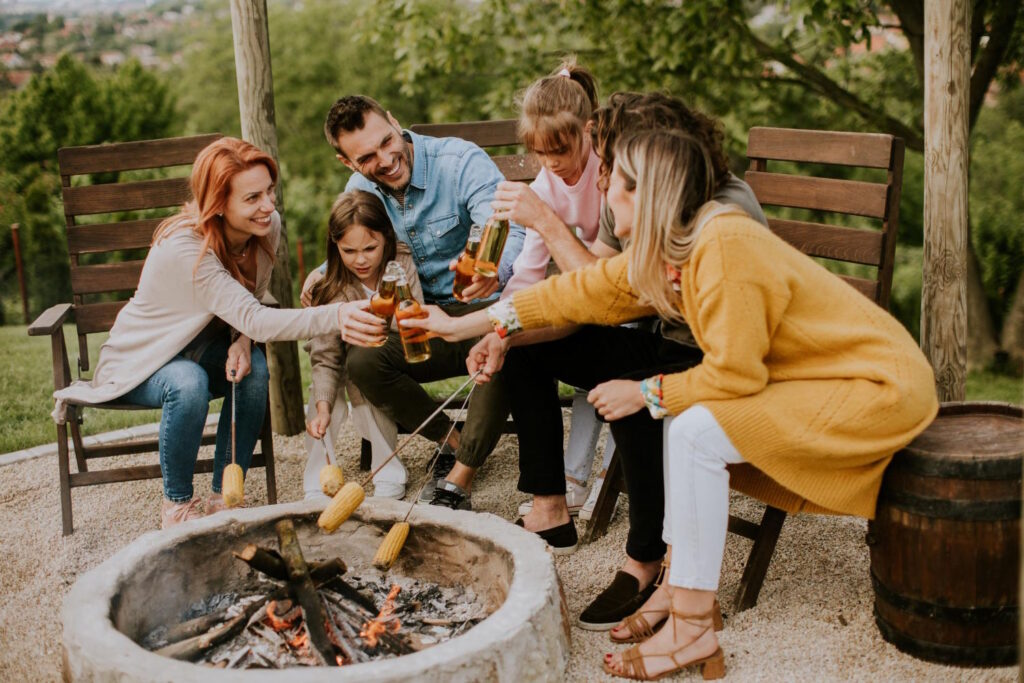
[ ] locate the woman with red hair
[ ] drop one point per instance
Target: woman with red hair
(187, 333)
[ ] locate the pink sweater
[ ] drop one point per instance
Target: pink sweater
(579, 206)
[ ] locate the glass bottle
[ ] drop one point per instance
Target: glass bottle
(492, 243)
(415, 340)
(383, 301)
(464, 266)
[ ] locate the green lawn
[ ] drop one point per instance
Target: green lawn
(25, 401)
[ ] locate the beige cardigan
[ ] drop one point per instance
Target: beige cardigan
(327, 352)
(172, 305)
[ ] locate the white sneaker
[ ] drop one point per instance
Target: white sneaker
(587, 511)
(390, 481)
(575, 495)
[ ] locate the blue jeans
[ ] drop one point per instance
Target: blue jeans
(184, 389)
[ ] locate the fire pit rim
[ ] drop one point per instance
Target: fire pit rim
(88, 627)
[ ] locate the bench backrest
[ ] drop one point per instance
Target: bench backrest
(121, 229)
(489, 134)
(879, 201)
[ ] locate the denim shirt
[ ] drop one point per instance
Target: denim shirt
(451, 187)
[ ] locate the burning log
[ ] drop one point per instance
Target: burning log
(271, 563)
(191, 648)
(302, 589)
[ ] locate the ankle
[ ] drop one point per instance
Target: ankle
(462, 476)
(644, 572)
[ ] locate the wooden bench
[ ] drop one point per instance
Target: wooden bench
(877, 201)
(100, 290)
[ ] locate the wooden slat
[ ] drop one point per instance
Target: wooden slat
(873, 150)
(97, 317)
(820, 194)
(137, 472)
(128, 156)
(106, 277)
(111, 197)
(102, 237)
(868, 288)
(484, 133)
(831, 241)
(519, 167)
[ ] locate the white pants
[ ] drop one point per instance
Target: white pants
(696, 497)
(584, 432)
(371, 424)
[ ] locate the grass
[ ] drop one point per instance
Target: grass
(26, 394)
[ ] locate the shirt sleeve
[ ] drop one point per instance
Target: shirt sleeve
(606, 228)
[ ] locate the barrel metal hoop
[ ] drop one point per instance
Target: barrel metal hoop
(930, 610)
(999, 655)
(943, 508)
(927, 465)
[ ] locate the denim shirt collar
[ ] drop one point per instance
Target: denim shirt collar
(418, 178)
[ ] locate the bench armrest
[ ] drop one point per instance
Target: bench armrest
(50, 320)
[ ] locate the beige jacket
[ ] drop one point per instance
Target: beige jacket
(172, 305)
(327, 351)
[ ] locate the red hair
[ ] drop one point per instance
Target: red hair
(215, 167)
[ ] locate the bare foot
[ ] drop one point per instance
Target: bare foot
(654, 611)
(548, 512)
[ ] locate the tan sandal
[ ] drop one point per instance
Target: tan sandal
(639, 628)
(712, 667)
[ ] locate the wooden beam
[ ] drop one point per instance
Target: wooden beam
(251, 33)
(944, 284)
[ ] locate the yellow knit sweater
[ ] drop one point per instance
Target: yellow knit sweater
(815, 384)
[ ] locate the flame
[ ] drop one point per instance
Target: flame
(384, 622)
(300, 641)
(283, 621)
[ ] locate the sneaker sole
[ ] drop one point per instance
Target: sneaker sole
(567, 550)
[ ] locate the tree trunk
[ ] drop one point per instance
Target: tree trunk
(1013, 327)
(944, 291)
(256, 110)
(981, 336)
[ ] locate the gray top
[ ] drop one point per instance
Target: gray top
(173, 304)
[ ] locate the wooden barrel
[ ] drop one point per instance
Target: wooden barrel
(945, 541)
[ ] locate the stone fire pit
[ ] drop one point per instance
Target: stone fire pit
(153, 580)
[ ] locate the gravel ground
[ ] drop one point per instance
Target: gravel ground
(813, 621)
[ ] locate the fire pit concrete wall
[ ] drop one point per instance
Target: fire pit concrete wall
(154, 579)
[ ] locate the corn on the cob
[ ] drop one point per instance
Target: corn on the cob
(341, 507)
(331, 479)
(233, 486)
(392, 544)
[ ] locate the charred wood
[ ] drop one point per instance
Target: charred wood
(302, 589)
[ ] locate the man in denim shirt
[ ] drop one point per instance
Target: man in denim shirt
(434, 189)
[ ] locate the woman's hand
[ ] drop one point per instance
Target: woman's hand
(442, 325)
(239, 359)
(480, 288)
(358, 326)
(306, 296)
(520, 204)
(488, 355)
(317, 427)
(617, 399)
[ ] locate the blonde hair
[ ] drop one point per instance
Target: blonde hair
(673, 176)
(555, 109)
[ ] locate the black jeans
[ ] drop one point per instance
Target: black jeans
(585, 359)
(392, 384)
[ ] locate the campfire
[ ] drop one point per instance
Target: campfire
(294, 613)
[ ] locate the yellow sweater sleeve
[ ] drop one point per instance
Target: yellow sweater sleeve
(739, 300)
(599, 294)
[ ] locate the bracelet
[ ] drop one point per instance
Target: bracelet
(504, 318)
(653, 397)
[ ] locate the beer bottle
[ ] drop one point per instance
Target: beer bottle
(492, 243)
(415, 343)
(382, 303)
(464, 266)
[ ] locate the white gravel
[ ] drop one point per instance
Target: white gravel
(813, 621)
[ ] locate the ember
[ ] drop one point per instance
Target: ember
(294, 614)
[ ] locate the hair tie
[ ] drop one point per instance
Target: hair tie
(565, 72)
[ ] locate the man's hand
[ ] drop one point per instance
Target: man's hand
(481, 287)
(307, 287)
(317, 427)
(358, 326)
(520, 204)
(239, 359)
(617, 399)
(488, 355)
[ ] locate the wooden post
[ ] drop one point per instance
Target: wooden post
(300, 257)
(947, 68)
(16, 244)
(256, 110)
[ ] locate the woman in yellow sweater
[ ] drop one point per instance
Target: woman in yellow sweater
(803, 377)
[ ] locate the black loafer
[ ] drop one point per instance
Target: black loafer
(616, 602)
(561, 539)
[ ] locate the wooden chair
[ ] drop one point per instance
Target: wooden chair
(500, 133)
(878, 201)
(88, 281)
